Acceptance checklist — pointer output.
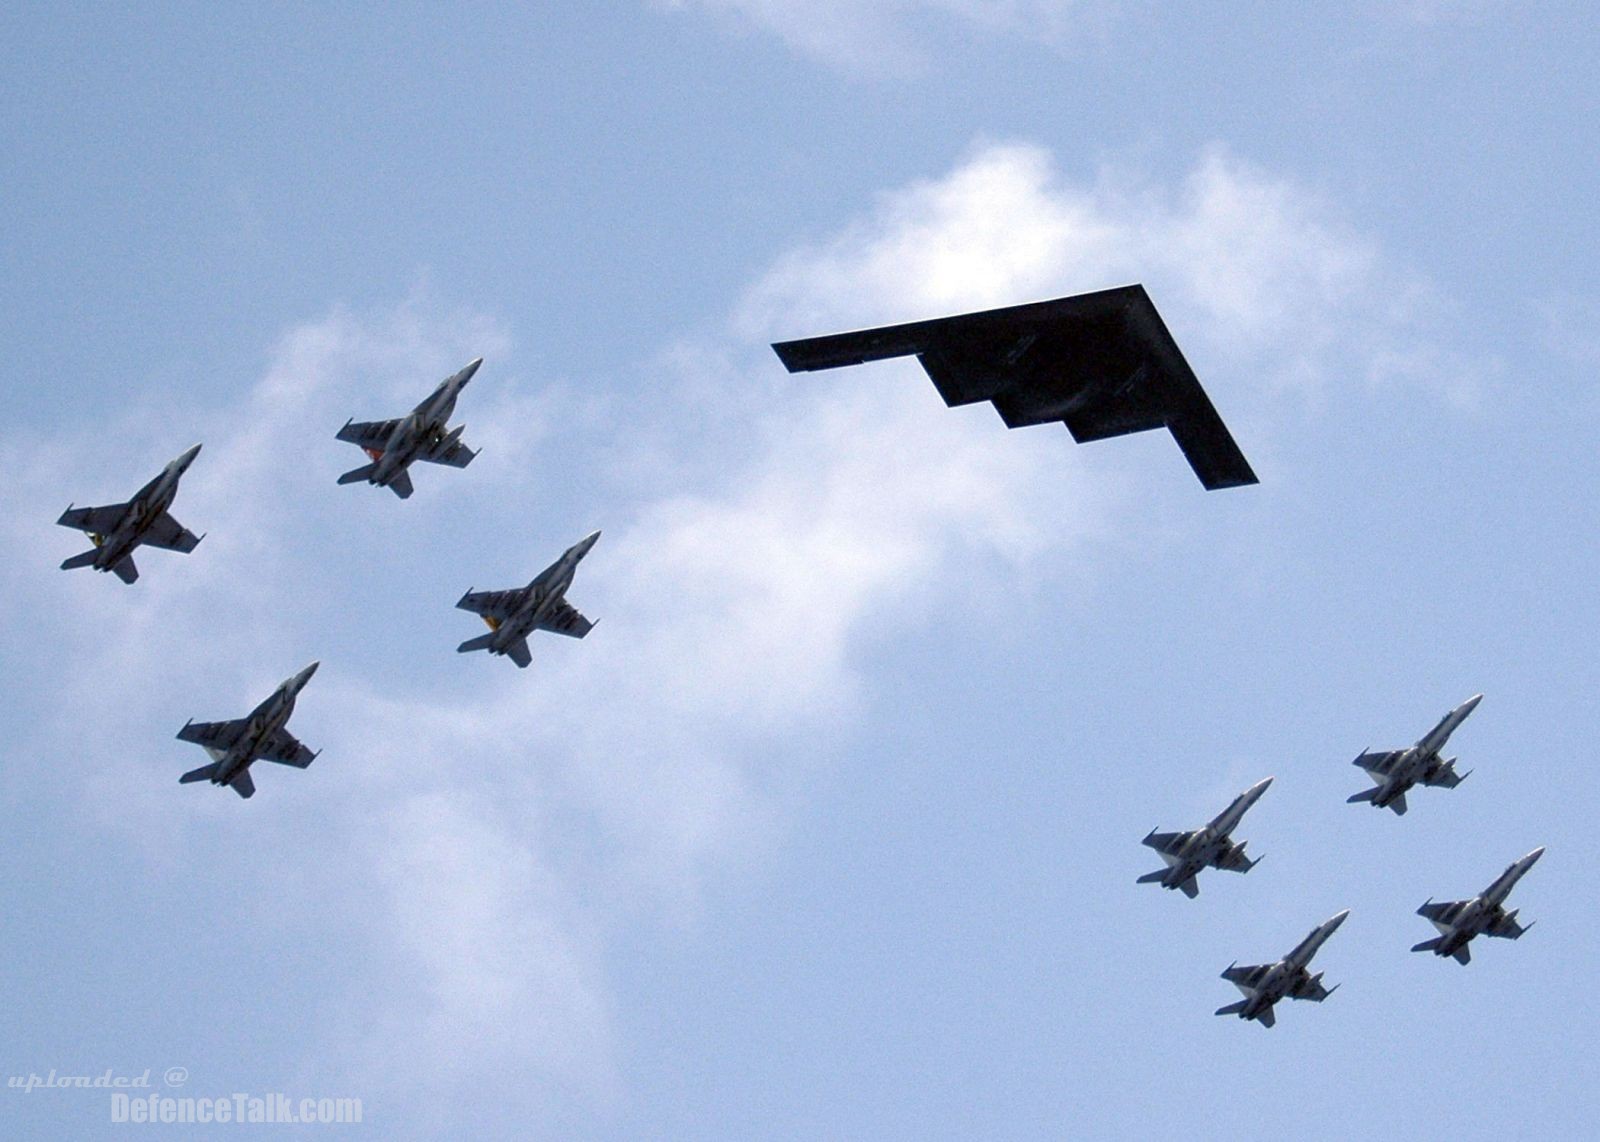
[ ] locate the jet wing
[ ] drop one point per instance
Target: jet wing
(448, 451)
(1247, 976)
(1443, 911)
(100, 521)
(168, 533)
(1102, 363)
(1444, 776)
(285, 749)
(1310, 987)
(212, 735)
(1169, 843)
(1380, 762)
(373, 434)
(1505, 926)
(497, 605)
(1234, 860)
(565, 619)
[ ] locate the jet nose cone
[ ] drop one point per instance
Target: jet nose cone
(1260, 787)
(581, 548)
(305, 675)
(1471, 703)
(188, 457)
(1533, 856)
(472, 367)
(1337, 920)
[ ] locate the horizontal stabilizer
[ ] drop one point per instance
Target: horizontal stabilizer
(204, 773)
(1153, 877)
(355, 475)
(480, 643)
(519, 653)
(1398, 804)
(1267, 1017)
(125, 570)
(400, 484)
(1190, 888)
(1364, 795)
(84, 560)
(242, 785)
(1427, 945)
(1463, 954)
(1232, 1008)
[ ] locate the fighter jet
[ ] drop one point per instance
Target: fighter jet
(1459, 921)
(515, 614)
(1102, 363)
(1395, 771)
(1264, 984)
(419, 435)
(115, 530)
(1187, 853)
(259, 736)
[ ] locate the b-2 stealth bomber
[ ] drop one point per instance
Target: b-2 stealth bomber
(1101, 363)
(259, 736)
(1187, 853)
(1264, 984)
(421, 434)
(1459, 921)
(542, 605)
(1397, 770)
(116, 529)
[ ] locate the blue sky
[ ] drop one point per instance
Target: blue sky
(830, 828)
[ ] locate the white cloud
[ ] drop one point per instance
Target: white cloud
(1254, 272)
(890, 35)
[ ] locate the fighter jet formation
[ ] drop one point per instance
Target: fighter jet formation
(1263, 985)
(1398, 770)
(1103, 364)
(1210, 847)
(542, 605)
(422, 434)
(116, 529)
(258, 736)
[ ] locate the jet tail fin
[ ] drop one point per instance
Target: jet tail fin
(479, 643)
(355, 475)
(1155, 877)
(84, 560)
(1232, 1008)
(204, 773)
(1364, 795)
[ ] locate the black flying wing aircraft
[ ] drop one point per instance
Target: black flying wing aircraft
(1101, 363)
